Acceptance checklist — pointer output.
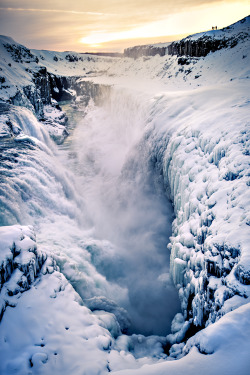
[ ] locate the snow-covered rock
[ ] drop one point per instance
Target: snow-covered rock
(20, 263)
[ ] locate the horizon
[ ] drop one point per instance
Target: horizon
(100, 26)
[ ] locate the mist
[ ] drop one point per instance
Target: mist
(112, 155)
(99, 207)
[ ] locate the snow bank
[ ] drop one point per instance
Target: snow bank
(20, 263)
(49, 332)
(221, 348)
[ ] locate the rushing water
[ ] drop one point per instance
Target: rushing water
(99, 207)
(111, 153)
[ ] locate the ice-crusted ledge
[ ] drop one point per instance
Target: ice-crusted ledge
(210, 262)
(20, 263)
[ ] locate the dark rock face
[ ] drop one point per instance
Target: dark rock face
(36, 95)
(197, 48)
(148, 50)
(106, 54)
(60, 87)
(92, 90)
(46, 86)
(42, 83)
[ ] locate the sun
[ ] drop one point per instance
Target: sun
(95, 45)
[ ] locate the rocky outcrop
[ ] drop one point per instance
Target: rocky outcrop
(35, 95)
(87, 90)
(20, 54)
(61, 87)
(42, 87)
(147, 50)
(45, 90)
(47, 86)
(200, 47)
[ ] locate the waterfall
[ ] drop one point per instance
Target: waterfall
(99, 207)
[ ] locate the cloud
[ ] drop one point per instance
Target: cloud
(61, 25)
(53, 11)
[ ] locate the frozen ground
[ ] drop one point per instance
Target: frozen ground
(102, 220)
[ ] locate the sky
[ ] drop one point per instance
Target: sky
(112, 25)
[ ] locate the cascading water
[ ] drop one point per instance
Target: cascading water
(112, 153)
(99, 207)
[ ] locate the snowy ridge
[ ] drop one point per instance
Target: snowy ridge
(239, 29)
(210, 41)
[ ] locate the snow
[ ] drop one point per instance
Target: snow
(221, 348)
(204, 193)
(191, 122)
(234, 30)
(20, 262)
(48, 331)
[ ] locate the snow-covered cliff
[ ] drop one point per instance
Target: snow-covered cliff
(208, 178)
(213, 40)
(196, 45)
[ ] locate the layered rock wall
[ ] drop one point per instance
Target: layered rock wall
(148, 50)
(200, 47)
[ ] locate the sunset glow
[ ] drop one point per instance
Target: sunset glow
(112, 25)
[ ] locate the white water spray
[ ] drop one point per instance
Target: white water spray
(99, 208)
(111, 152)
